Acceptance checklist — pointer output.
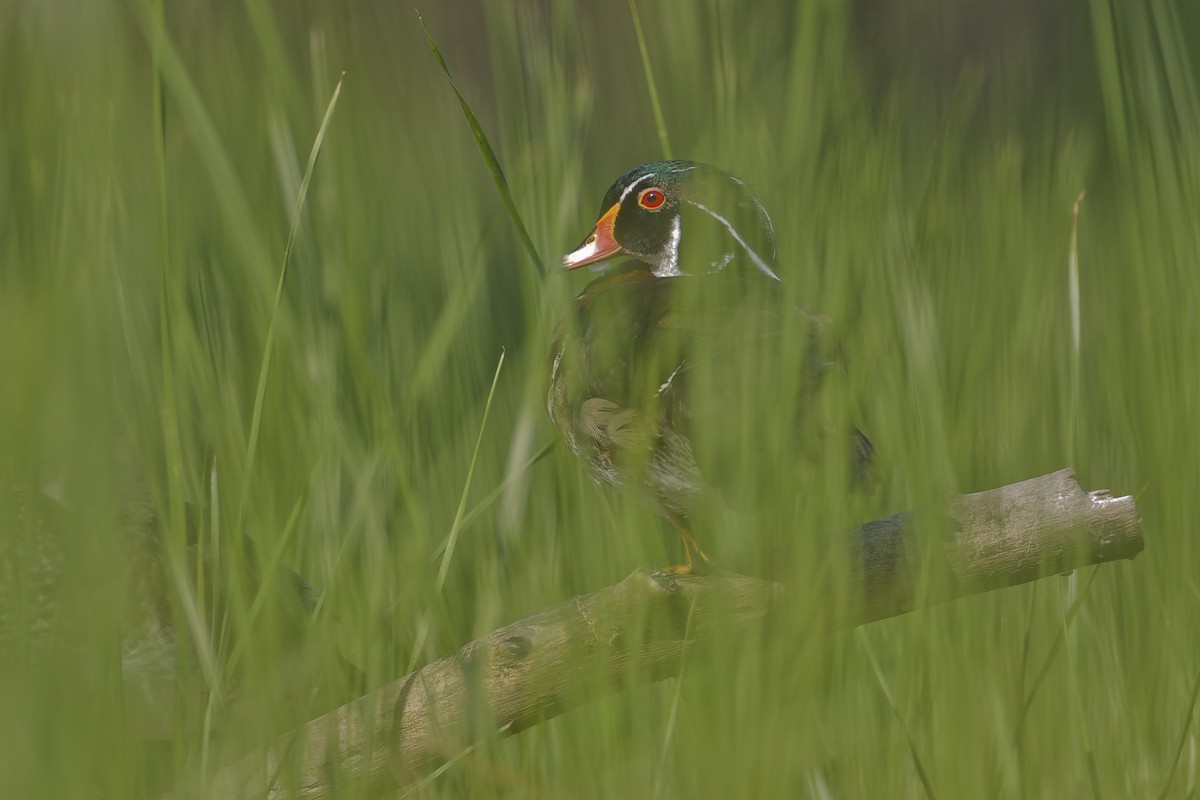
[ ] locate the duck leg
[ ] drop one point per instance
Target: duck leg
(697, 562)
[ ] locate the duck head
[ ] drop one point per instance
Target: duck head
(680, 217)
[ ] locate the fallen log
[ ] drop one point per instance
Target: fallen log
(637, 630)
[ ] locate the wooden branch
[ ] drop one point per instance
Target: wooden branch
(636, 632)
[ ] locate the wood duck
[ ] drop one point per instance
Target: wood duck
(670, 363)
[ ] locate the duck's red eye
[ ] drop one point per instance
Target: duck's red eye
(651, 199)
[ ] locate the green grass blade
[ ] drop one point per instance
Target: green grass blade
(491, 496)
(1080, 713)
(268, 580)
(449, 325)
(175, 77)
(660, 123)
(190, 607)
(660, 789)
(1183, 737)
(891, 701)
(264, 370)
(488, 154)
(457, 525)
(1052, 656)
(1075, 424)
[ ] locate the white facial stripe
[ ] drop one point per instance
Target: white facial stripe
(767, 217)
(758, 262)
(762, 210)
(634, 185)
(669, 265)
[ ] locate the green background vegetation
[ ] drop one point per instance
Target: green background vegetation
(920, 160)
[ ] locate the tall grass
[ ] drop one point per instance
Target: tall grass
(922, 186)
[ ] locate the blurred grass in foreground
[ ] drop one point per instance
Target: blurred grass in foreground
(921, 184)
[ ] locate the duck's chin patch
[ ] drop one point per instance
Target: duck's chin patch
(617, 262)
(624, 263)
